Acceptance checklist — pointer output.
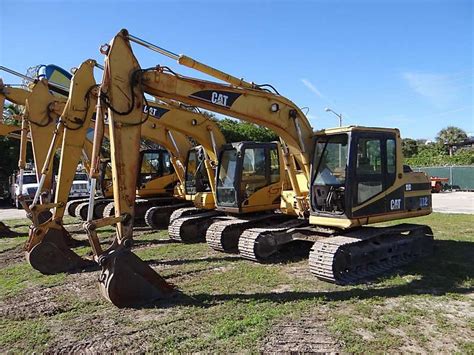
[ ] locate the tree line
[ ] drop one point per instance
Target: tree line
(452, 146)
(447, 149)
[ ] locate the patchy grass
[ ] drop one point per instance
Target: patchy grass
(20, 276)
(25, 334)
(229, 304)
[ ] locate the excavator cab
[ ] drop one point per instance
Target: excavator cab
(358, 178)
(154, 164)
(197, 179)
(248, 177)
(105, 179)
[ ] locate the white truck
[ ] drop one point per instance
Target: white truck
(27, 188)
(80, 186)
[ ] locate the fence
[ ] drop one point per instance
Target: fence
(460, 177)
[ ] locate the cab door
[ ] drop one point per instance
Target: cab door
(373, 170)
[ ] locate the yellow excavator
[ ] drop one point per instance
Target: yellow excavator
(10, 131)
(118, 262)
(188, 224)
(356, 178)
(43, 102)
(46, 250)
(262, 184)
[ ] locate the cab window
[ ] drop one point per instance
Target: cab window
(391, 157)
(274, 166)
(167, 166)
(368, 169)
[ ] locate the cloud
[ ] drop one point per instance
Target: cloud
(439, 89)
(312, 88)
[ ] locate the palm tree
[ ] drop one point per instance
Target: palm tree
(450, 136)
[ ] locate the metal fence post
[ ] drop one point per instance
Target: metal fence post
(451, 177)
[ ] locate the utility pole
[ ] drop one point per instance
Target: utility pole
(327, 109)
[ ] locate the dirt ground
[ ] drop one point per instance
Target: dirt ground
(227, 304)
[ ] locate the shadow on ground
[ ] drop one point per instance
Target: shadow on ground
(449, 270)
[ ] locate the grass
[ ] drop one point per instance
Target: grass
(230, 304)
(35, 332)
(20, 276)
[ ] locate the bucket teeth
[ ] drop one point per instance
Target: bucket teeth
(128, 281)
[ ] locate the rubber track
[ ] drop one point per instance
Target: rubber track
(249, 238)
(109, 208)
(186, 211)
(216, 234)
(71, 211)
(79, 208)
(176, 226)
(399, 249)
(150, 218)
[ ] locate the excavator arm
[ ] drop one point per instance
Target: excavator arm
(9, 130)
(242, 100)
(256, 106)
(50, 238)
(42, 109)
(125, 122)
(48, 247)
(202, 129)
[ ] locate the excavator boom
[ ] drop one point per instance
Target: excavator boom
(125, 279)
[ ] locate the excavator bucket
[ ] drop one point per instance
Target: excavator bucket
(52, 255)
(128, 281)
(5, 232)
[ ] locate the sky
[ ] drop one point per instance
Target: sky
(404, 64)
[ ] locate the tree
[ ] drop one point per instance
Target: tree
(10, 113)
(235, 131)
(409, 147)
(449, 136)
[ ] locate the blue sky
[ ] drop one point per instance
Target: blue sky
(406, 64)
